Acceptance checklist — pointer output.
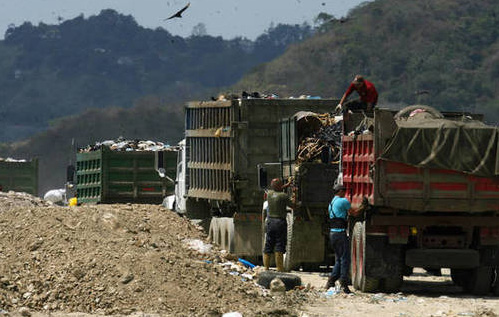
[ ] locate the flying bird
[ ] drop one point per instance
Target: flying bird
(179, 13)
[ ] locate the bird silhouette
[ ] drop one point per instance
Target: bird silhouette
(179, 13)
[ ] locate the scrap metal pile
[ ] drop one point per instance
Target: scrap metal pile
(128, 145)
(320, 137)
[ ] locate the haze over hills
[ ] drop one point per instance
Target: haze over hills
(443, 53)
(51, 71)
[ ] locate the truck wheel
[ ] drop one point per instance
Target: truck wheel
(289, 261)
(459, 276)
(480, 280)
(360, 279)
(407, 270)
(226, 226)
(392, 284)
(213, 233)
(495, 287)
(354, 267)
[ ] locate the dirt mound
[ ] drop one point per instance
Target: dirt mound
(10, 200)
(118, 259)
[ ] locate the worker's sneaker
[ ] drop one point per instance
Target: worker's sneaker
(344, 287)
(331, 281)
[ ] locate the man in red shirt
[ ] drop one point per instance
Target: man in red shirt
(367, 92)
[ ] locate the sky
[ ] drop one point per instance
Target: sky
(226, 18)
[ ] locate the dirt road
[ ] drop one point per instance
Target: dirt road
(421, 295)
(143, 260)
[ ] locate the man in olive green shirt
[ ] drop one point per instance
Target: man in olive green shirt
(276, 225)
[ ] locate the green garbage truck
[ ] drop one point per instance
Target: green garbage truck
(19, 175)
(107, 176)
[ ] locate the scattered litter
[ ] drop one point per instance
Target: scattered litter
(232, 314)
(198, 245)
(332, 291)
(381, 297)
(246, 263)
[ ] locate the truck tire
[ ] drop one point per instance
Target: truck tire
(354, 267)
(392, 284)
(362, 256)
(495, 286)
(405, 112)
(214, 232)
(226, 231)
(407, 270)
(289, 280)
(459, 276)
(479, 281)
(289, 261)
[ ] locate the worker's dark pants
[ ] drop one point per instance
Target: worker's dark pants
(277, 235)
(338, 242)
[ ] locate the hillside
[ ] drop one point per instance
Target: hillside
(52, 71)
(443, 53)
(148, 120)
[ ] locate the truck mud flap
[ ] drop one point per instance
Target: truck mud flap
(436, 258)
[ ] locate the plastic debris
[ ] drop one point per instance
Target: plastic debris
(198, 245)
(246, 263)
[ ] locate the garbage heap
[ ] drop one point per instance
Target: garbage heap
(129, 145)
(320, 137)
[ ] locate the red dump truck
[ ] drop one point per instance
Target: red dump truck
(432, 183)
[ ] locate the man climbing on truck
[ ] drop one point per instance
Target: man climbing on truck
(367, 92)
(276, 225)
(339, 210)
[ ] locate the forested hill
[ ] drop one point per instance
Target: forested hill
(440, 52)
(51, 71)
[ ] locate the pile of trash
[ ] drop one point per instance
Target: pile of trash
(128, 145)
(320, 137)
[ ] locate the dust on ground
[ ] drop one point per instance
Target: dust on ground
(135, 260)
(422, 294)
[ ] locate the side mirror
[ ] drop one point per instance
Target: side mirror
(262, 176)
(158, 163)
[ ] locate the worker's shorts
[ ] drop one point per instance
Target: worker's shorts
(276, 235)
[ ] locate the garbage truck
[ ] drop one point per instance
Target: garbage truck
(225, 141)
(431, 180)
(104, 175)
(19, 175)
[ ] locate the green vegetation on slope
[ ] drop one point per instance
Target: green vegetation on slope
(51, 71)
(443, 53)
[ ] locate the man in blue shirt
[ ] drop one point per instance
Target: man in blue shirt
(339, 210)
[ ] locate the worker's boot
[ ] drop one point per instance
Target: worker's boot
(279, 261)
(344, 286)
(331, 281)
(266, 261)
